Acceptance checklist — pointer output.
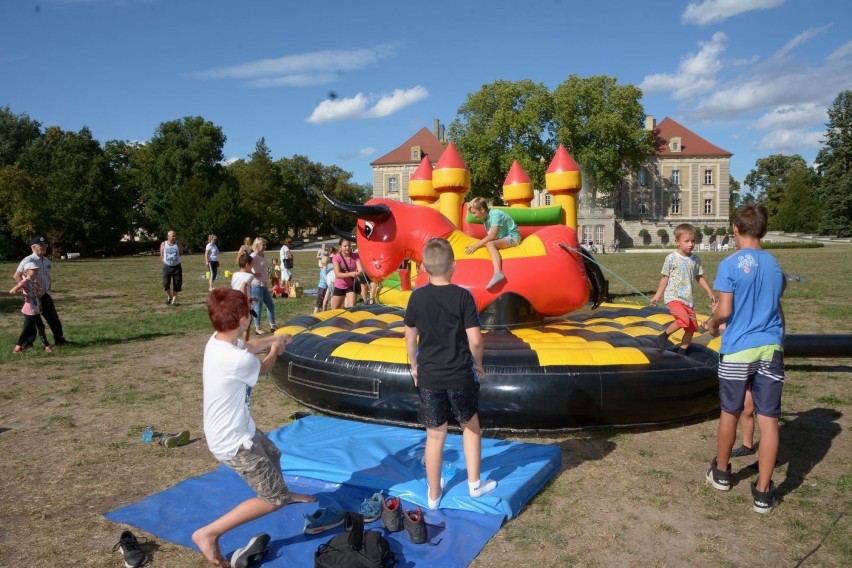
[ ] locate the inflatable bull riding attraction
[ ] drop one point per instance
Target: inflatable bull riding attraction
(556, 356)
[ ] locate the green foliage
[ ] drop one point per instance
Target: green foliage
(664, 235)
(768, 180)
(800, 211)
(502, 122)
(835, 167)
(721, 231)
(644, 234)
(709, 231)
(17, 132)
(735, 195)
(602, 125)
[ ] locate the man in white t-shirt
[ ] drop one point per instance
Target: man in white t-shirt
(230, 370)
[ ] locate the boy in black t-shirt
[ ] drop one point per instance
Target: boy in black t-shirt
(446, 366)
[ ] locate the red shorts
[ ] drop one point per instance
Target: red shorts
(684, 316)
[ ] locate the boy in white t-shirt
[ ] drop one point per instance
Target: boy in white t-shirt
(230, 368)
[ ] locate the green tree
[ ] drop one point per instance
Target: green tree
(835, 168)
(502, 122)
(602, 125)
(181, 149)
(128, 162)
(261, 189)
(85, 212)
(735, 197)
(799, 211)
(768, 179)
(17, 132)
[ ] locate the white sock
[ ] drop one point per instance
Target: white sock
(433, 503)
(480, 488)
(496, 279)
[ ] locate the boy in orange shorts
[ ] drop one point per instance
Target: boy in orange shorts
(681, 270)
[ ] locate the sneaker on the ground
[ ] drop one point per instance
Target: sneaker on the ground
(719, 479)
(415, 525)
(18, 349)
(252, 553)
(764, 502)
(128, 544)
(663, 341)
(175, 440)
(371, 507)
(322, 520)
(175, 302)
(742, 451)
(168, 301)
(61, 342)
(392, 514)
(49, 348)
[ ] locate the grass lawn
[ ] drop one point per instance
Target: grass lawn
(70, 423)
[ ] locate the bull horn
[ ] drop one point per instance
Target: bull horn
(378, 212)
(349, 236)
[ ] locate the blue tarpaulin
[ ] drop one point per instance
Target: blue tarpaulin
(342, 462)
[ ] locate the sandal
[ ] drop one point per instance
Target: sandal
(259, 331)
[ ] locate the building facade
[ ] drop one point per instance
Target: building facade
(687, 180)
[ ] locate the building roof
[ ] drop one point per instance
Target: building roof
(691, 143)
(429, 145)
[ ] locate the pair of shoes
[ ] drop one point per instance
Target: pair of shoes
(252, 553)
(259, 331)
(663, 341)
(169, 301)
(371, 507)
(764, 501)
(721, 480)
(61, 342)
(322, 520)
(273, 328)
(742, 451)
(392, 514)
(175, 440)
(18, 349)
(134, 557)
(415, 525)
(49, 348)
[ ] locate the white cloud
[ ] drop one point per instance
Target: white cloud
(791, 140)
(792, 116)
(696, 73)
(358, 106)
(300, 69)
(360, 154)
(711, 11)
(800, 39)
(842, 52)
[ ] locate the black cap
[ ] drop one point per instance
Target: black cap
(39, 241)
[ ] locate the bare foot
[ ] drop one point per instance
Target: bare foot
(300, 498)
(209, 547)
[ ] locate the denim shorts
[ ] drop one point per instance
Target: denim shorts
(437, 406)
(260, 468)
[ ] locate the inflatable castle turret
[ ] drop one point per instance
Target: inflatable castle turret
(563, 182)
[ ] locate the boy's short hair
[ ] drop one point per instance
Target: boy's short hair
(682, 229)
(245, 259)
(438, 257)
(750, 220)
(226, 307)
(479, 203)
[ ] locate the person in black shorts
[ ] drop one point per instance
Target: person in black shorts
(446, 367)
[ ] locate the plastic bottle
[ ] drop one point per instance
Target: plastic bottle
(148, 435)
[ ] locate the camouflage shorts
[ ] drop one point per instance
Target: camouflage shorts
(260, 468)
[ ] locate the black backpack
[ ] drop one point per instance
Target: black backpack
(355, 547)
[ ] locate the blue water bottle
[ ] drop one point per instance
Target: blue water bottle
(148, 435)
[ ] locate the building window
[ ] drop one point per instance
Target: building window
(708, 205)
(675, 177)
(708, 177)
(416, 154)
(642, 177)
(599, 233)
(643, 205)
(588, 234)
(548, 199)
(393, 184)
(675, 209)
(674, 144)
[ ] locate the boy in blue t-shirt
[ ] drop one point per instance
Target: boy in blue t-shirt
(501, 232)
(750, 283)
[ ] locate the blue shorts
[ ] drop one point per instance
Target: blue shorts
(437, 406)
(761, 368)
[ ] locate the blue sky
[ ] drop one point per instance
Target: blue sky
(346, 82)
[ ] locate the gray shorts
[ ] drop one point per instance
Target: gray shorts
(260, 468)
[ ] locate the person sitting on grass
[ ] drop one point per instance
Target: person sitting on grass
(230, 369)
(501, 232)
